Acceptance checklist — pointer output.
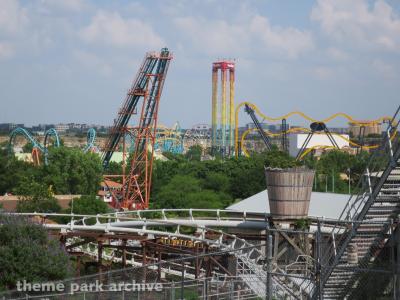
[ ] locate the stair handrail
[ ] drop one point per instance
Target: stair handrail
(362, 197)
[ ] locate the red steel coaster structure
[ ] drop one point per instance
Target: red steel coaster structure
(146, 91)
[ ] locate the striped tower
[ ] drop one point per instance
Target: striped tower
(223, 120)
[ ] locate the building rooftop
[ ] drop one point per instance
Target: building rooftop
(327, 205)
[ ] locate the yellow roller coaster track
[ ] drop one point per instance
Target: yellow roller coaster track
(301, 114)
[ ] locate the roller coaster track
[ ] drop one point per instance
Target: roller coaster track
(169, 139)
(50, 133)
(35, 143)
(91, 138)
(305, 130)
(304, 116)
(25, 133)
(159, 222)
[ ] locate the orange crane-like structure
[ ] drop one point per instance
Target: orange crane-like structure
(145, 91)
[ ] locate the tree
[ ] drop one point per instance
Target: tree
(70, 171)
(185, 191)
(194, 153)
(12, 171)
(88, 205)
(36, 197)
(27, 148)
(173, 194)
(217, 182)
(28, 253)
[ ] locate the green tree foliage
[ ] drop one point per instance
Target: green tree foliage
(28, 253)
(181, 183)
(70, 171)
(194, 153)
(332, 164)
(88, 205)
(184, 191)
(36, 197)
(217, 182)
(12, 171)
(114, 168)
(27, 148)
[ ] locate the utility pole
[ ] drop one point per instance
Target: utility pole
(349, 180)
(318, 262)
(315, 181)
(269, 267)
(326, 183)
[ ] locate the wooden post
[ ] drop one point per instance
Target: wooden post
(144, 260)
(269, 268)
(78, 266)
(276, 245)
(159, 262)
(318, 265)
(124, 253)
(100, 255)
(196, 263)
(397, 279)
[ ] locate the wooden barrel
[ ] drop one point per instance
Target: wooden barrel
(289, 191)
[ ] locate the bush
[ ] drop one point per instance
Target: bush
(28, 253)
(36, 197)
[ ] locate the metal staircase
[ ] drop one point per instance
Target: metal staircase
(367, 222)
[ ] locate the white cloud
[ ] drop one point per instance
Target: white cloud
(112, 29)
(91, 60)
(337, 54)
(323, 73)
(6, 50)
(12, 17)
(355, 23)
(219, 37)
(62, 5)
(215, 37)
(384, 68)
(291, 41)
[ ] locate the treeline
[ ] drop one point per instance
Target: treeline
(69, 171)
(182, 181)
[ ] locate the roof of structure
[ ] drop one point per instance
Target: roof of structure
(328, 205)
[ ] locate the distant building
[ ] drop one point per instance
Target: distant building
(339, 130)
(8, 127)
(107, 189)
(274, 128)
(296, 141)
(354, 128)
(61, 127)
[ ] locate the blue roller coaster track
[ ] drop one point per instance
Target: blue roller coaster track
(91, 138)
(25, 133)
(50, 133)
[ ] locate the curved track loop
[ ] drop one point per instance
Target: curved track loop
(37, 147)
(305, 130)
(199, 134)
(169, 223)
(169, 139)
(25, 133)
(50, 133)
(91, 138)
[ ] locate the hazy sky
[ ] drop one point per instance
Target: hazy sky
(73, 60)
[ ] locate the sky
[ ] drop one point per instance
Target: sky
(74, 60)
